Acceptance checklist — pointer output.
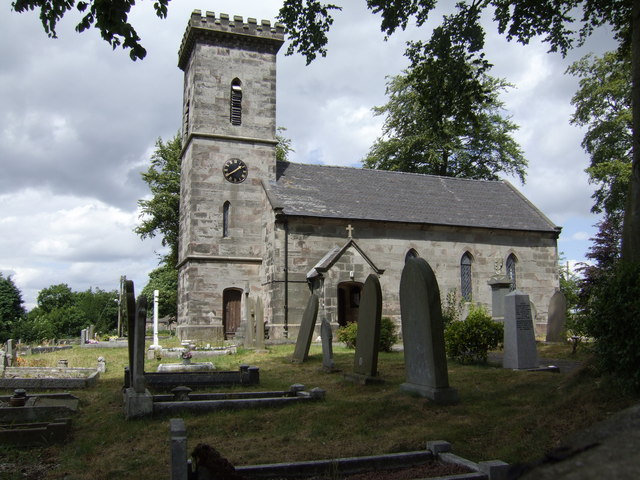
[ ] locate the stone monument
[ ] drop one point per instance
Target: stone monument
(519, 337)
(365, 368)
(423, 334)
(307, 326)
(138, 401)
(557, 319)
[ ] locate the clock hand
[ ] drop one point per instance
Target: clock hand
(233, 171)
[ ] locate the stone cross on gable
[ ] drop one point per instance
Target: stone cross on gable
(350, 230)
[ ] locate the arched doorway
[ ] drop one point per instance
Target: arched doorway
(231, 312)
(348, 302)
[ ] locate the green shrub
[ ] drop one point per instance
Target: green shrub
(348, 334)
(613, 320)
(452, 308)
(388, 334)
(470, 340)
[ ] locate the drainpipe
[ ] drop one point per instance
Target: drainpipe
(286, 279)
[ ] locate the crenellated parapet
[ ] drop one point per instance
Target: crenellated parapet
(209, 27)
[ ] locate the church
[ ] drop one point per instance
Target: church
(252, 227)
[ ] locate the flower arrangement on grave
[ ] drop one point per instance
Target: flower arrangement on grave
(186, 355)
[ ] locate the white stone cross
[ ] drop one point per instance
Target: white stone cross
(350, 230)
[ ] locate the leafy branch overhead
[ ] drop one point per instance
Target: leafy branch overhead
(110, 17)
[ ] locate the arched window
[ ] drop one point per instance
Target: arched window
(511, 270)
(226, 210)
(465, 277)
(412, 253)
(236, 102)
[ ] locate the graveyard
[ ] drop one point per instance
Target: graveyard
(514, 416)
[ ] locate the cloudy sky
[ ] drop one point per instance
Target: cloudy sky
(78, 123)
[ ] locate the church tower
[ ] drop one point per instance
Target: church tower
(228, 135)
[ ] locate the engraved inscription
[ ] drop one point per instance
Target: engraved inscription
(523, 316)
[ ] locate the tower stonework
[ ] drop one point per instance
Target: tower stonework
(228, 134)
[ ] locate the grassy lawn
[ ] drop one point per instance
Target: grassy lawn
(506, 415)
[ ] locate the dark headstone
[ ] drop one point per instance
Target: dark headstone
(423, 334)
(519, 336)
(327, 345)
(365, 366)
(307, 327)
(557, 319)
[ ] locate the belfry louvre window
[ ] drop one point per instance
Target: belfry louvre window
(465, 277)
(236, 102)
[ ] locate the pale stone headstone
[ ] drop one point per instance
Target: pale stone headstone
(368, 338)
(91, 332)
(557, 319)
(519, 336)
(305, 334)
(327, 345)
(12, 356)
(259, 325)
(156, 295)
(251, 322)
(423, 334)
(83, 336)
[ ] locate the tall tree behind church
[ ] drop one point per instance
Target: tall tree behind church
(444, 116)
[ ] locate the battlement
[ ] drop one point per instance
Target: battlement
(210, 26)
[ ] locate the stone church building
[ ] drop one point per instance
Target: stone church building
(252, 227)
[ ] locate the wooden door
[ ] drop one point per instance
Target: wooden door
(231, 317)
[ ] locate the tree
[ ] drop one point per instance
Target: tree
(12, 311)
(110, 17)
(161, 213)
(283, 148)
(429, 129)
(164, 279)
(562, 24)
(603, 105)
(55, 297)
(99, 307)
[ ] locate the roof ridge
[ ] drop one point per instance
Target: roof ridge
(396, 172)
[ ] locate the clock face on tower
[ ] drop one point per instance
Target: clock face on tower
(235, 170)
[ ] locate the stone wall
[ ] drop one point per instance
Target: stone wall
(386, 245)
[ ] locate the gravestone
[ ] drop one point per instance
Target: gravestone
(326, 335)
(557, 319)
(519, 337)
(365, 368)
(259, 325)
(500, 286)
(305, 334)
(250, 331)
(138, 401)
(12, 354)
(423, 334)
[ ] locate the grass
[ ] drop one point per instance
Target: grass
(506, 415)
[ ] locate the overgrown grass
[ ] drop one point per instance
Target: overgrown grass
(507, 415)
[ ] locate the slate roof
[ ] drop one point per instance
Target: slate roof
(356, 193)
